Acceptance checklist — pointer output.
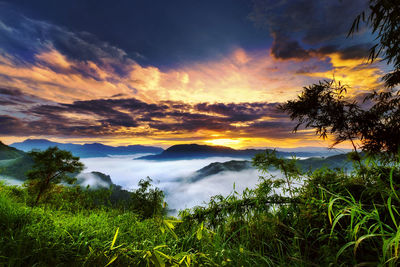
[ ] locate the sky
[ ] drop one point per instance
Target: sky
(159, 72)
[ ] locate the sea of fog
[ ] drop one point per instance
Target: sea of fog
(170, 176)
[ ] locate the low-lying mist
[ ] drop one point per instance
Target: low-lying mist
(170, 176)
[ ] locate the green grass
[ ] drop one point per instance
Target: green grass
(336, 219)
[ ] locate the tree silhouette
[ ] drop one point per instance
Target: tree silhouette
(383, 16)
(376, 121)
(324, 106)
(51, 167)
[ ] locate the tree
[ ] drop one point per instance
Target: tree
(147, 201)
(376, 121)
(324, 106)
(383, 17)
(50, 167)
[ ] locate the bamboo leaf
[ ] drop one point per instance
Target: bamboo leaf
(342, 249)
(114, 239)
(362, 239)
(111, 261)
(389, 204)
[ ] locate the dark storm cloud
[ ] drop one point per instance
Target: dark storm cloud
(10, 125)
(25, 38)
(10, 91)
(155, 32)
(285, 48)
(14, 96)
(355, 51)
(301, 27)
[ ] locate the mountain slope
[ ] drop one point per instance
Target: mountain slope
(7, 152)
(336, 161)
(13, 162)
(218, 167)
(86, 150)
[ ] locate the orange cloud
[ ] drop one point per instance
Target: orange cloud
(356, 73)
(241, 76)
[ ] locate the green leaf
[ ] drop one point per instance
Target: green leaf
(199, 234)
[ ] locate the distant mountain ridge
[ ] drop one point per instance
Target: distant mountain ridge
(86, 150)
(194, 151)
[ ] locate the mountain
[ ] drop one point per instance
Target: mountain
(336, 161)
(7, 152)
(13, 162)
(194, 151)
(101, 181)
(322, 151)
(217, 167)
(86, 150)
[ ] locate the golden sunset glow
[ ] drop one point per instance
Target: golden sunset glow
(223, 142)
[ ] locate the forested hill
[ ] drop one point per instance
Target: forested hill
(7, 152)
(218, 167)
(13, 162)
(337, 161)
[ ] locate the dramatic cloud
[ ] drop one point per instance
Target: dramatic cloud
(285, 48)
(157, 33)
(60, 80)
(131, 117)
(301, 27)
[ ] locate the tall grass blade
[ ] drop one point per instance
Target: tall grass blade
(114, 239)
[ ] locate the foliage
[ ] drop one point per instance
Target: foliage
(51, 167)
(147, 201)
(383, 17)
(375, 122)
(297, 219)
(322, 106)
(325, 108)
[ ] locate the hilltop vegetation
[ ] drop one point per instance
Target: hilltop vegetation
(7, 152)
